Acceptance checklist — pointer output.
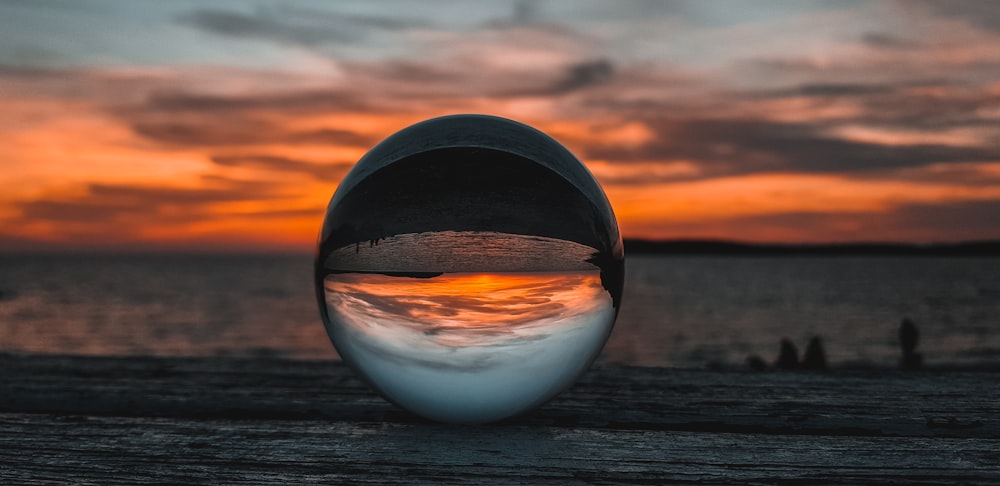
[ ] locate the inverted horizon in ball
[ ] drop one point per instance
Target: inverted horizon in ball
(469, 268)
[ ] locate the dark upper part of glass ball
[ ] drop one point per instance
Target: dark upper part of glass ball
(471, 173)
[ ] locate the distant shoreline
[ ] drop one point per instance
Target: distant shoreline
(277, 357)
(633, 246)
(717, 247)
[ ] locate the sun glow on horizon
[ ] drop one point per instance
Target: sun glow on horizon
(465, 310)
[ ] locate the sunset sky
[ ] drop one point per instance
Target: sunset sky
(226, 125)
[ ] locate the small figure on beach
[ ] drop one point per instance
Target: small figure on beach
(788, 359)
(756, 363)
(815, 358)
(908, 338)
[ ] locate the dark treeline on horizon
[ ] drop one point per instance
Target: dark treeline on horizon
(633, 246)
(719, 247)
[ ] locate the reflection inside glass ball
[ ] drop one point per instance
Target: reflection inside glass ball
(469, 268)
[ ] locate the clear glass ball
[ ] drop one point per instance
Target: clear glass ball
(469, 268)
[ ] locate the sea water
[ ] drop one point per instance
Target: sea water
(678, 311)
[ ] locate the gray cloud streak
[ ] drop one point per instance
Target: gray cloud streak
(298, 26)
(321, 171)
(747, 145)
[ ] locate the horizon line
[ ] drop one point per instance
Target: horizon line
(680, 246)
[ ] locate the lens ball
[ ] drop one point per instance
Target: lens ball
(469, 268)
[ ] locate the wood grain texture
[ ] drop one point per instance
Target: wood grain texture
(187, 420)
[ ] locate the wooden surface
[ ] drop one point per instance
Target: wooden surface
(221, 421)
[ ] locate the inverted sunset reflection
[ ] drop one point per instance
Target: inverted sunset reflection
(464, 310)
(469, 347)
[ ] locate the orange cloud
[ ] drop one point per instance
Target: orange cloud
(736, 207)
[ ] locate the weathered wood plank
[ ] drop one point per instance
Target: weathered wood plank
(875, 403)
(126, 420)
(107, 450)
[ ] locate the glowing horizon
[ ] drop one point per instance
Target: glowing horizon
(466, 309)
(193, 127)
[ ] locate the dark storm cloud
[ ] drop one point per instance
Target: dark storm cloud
(30, 72)
(241, 131)
(243, 25)
(924, 104)
(731, 143)
(646, 179)
(325, 172)
(525, 11)
(329, 136)
(75, 210)
(583, 75)
(108, 202)
(744, 137)
(389, 86)
(199, 134)
(744, 146)
(415, 72)
(789, 65)
(396, 84)
(832, 89)
(308, 101)
(234, 190)
(978, 13)
(897, 91)
(315, 212)
(568, 79)
(956, 220)
(306, 27)
(951, 216)
(940, 221)
(911, 104)
(899, 66)
(887, 41)
(968, 175)
(528, 16)
(190, 119)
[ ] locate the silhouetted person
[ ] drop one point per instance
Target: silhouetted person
(908, 338)
(756, 363)
(789, 357)
(815, 358)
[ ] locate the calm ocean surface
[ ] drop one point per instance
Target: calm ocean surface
(677, 311)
